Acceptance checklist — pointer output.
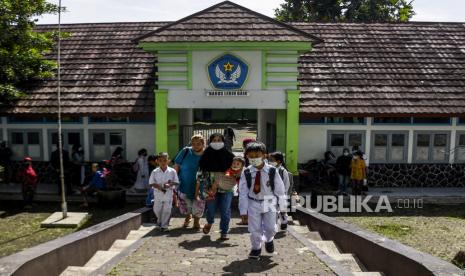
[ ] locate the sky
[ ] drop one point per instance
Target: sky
(89, 11)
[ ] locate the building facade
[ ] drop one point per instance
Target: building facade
(396, 91)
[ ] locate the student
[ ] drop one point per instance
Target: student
(96, 184)
(358, 172)
(163, 180)
(343, 171)
(276, 159)
(141, 167)
(28, 178)
(260, 186)
(152, 160)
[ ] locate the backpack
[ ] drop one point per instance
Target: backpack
(291, 179)
(271, 175)
(186, 152)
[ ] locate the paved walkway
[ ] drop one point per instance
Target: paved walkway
(186, 252)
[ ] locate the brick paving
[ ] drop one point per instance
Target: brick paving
(186, 252)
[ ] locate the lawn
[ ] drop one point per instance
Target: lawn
(437, 230)
(20, 229)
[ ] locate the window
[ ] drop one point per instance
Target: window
(431, 147)
(389, 147)
(345, 120)
(26, 143)
(317, 120)
(108, 119)
(70, 138)
(104, 142)
(338, 140)
(392, 120)
(460, 147)
(432, 121)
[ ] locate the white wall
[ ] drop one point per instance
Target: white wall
(137, 135)
(313, 138)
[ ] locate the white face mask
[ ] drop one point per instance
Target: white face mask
(274, 164)
(217, 145)
(256, 162)
(346, 153)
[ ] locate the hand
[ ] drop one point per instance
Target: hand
(167, 185)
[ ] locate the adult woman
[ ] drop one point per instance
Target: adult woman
(187, 164)
(215, 161)
(142, 168)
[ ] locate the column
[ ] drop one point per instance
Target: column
(281, 130)
(173, 132)
(292, 130)
(161, 121)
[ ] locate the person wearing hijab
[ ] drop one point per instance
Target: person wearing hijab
(213, 164)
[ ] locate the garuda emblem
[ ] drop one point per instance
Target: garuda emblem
(227, 72)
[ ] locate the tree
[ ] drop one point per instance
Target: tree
(345, 10)
(21, 48)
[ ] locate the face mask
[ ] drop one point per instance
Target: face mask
(346, 153)
(256, 162)
(356, 157)
(217, 145)
(236, 168)
(274, 164)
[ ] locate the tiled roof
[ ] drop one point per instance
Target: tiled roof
(359, 69)
(225, 22)
(407, 68)
(103, 71)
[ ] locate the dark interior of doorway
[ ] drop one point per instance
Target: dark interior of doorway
(209, 121)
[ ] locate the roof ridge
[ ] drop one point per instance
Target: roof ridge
(314, 39)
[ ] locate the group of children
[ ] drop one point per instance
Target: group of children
(263, 184)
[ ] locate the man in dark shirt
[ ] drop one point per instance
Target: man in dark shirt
(55, 162)
(343, 170)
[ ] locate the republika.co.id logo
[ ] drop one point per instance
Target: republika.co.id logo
(228, 72)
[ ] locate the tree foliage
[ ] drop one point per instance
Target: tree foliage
(21, 48)
(345, 11)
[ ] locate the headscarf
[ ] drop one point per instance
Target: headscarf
(216, 160)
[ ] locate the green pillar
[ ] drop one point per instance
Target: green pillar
(292, 130)
(281, 130)
(161, 121)
(173, 132)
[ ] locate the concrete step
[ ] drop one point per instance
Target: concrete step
(77, 271)
(300, 229)
(119, 245)
(136, 234)
(101, 257)
(349, 262)
(369, 273)
(328, 247)
(313, 236)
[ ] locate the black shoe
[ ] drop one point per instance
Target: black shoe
(283, 226)
(255, 254)
(269, 246)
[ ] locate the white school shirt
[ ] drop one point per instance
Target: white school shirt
(158, 176)
(246, 194)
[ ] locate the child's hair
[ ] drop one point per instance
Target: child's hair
(163, 154)
(256, 146)
(278, 156)
(152, 158)
(240, 159)
(359, 153)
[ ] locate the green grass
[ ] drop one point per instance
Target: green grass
(435, 229)
(21, 229)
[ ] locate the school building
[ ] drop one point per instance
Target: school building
(396, 90)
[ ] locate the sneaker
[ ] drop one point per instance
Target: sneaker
(224, 237)
(165, 229)
(283, 226)
(269, 247)
(255, 254)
